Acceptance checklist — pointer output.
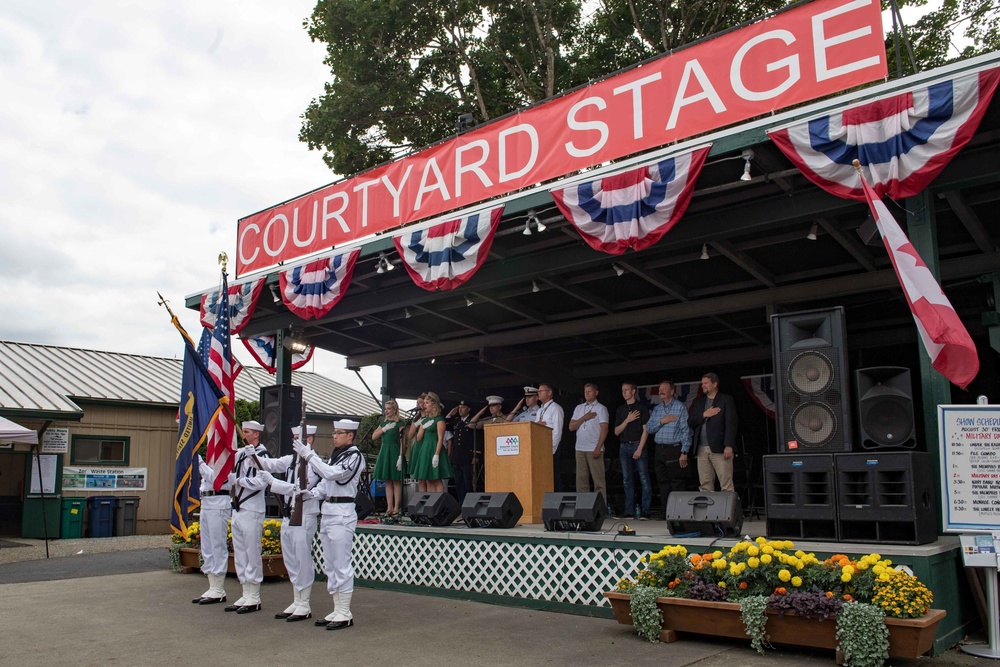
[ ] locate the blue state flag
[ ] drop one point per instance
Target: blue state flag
(199, 402)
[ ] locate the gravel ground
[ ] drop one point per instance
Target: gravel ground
(35, 549)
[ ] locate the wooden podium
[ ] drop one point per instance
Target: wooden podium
(518, 458)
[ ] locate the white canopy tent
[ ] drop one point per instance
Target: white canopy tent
(11, 432)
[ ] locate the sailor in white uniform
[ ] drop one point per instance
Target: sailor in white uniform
(341, 475)
(216, 509)
(296, 541)
(249, 490)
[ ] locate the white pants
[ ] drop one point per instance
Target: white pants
(337, 528)
(214, 522)
(247, 529)
(296, 550)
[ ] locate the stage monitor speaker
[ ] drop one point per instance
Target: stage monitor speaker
(491, 510)
(812, 405)
(280, 410)
(433, 509)
(711, 514)
(885, 408)
(574, 511)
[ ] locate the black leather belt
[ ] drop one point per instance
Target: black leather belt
(669, 444)
(340, 500)
(215, 493)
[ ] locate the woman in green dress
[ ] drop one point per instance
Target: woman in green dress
(427, 464)
(390, 465)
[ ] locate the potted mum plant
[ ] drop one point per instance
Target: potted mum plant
(185, 550)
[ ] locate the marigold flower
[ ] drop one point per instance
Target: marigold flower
(754, 563)
(765, 559)
(796, 581)
(784, 575)
(722, 584)
(845, 577)
(743, 585)
(752, 551)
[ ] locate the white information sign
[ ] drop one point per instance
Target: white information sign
(55, 441)
(970, 467)
(508, 445)
(131, 479)
(48, 465)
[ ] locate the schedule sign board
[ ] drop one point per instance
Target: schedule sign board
(970, 467)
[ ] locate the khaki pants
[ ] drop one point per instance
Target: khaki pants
(587, 468)
(710, 465)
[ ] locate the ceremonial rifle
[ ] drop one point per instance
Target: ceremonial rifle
(302, 472)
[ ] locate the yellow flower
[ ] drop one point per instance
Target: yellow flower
(716, 554)
(267, 532)
(784, 575)
(847, 569)
(754, 563)
(796, 581)
(722, 584)
(761, 540)
(767, 549)
(765, 559)
(845, 577)
(752, 551)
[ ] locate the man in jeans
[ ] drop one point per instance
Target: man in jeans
(630, 419)
(668, 424)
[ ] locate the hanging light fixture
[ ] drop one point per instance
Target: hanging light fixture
(275, 293)
(813, 231)
(704, 251)
(381, 268)
(747, 155)
(360, 321)
(619, 270)
(469, 301)
(406, 313)
(534, 286)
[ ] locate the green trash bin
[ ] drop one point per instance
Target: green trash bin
(71, 525)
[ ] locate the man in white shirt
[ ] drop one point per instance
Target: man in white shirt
(249, 490)
(551, 414)
(590, 423)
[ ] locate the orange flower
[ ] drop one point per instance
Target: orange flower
(829, 594)
(695, 559)
(707, 557)
(780, 591)
(672, 585)
(848, 598)
(743, 585)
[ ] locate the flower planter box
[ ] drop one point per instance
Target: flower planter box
(274, 565)
(908, 637)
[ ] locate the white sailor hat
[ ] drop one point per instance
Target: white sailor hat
(310, 430)
(346, 425)
(494, 400)
(252, 426)
(531, 391)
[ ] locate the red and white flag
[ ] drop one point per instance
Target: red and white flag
(945, 338)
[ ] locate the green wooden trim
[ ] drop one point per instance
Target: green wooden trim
(124, 439)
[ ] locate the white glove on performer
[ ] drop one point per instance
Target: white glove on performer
(301, 449)
(267, 477)
(399, 462)
(435, 460)
(232, 478)
(388, 426)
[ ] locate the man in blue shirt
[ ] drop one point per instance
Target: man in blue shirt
(668, 424)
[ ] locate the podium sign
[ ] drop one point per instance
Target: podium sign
(519, 460)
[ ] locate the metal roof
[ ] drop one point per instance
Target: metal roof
(48, 381)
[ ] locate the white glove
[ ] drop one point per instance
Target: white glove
(249, 450)
(232, 478)
(304, 494)
(301, 449)
(399, 462)
(435, 460)
(389, 426)
(267, 477)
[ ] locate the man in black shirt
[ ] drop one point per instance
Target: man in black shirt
(630, 420)
(463, 448)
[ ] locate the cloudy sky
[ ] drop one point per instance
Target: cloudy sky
(133, 135)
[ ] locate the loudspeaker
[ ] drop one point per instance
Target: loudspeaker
(491, 510)
(812, 405)
(801, 496)
(886, 497)
(574, 511)
(885, 408)
(712, 514)
(280, 410)
(433, 509)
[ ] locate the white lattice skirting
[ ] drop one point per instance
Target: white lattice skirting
(563, 571)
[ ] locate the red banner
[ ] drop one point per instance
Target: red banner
(804, 53)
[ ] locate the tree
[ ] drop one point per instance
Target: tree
(958, 30)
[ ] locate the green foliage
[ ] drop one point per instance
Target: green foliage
(862, 635)
(646, 616)
(246, 411)
(365, 443)
(753, 612)
(958, 30)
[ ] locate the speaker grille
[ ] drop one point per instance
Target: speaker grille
(814, 424)
(888, 421)
(810, 373)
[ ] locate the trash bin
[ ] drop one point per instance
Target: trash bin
(125, 513)
(100, 515)
(71, 526)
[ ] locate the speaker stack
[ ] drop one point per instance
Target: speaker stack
(812, 403)
(574, 511)
(710, 514)
(433, 509)
(280, 410)
(491, 510)
(885, 408)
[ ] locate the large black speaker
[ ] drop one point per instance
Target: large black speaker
(433, 509)
(812, 403)
(712, 514)
(885, 408)
(491, 510)
(801, 496)
(574, 511)
(886, 497)
(280, 410)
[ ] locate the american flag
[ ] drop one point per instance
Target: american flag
(220, 366)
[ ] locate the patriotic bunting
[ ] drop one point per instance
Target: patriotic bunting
(446, 255)
(761, 390)
(903, 141)
(312, 290)
(685, 392)
(242, 301)
(262, 348)
(633, 209)
(945, 338)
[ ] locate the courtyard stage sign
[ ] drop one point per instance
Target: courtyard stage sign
(803, 53)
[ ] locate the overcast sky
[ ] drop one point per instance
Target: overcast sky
(133, 135)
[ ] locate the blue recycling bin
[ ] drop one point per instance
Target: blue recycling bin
(101, 515)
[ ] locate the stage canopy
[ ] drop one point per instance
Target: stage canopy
(11, 432)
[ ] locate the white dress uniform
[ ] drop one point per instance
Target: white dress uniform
(528, 414)
(297, 541)
(249, 502)
(216, 510)
(341, 475)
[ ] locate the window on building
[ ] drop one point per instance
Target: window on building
(99, 450)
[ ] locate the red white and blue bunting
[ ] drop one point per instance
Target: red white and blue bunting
(761, 390)
(446, 255)
(633, 209)
(262, 348)
(903, 141)
(242, 301)
(312, 290)
(685, 392)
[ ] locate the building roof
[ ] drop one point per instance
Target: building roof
(48, 381)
